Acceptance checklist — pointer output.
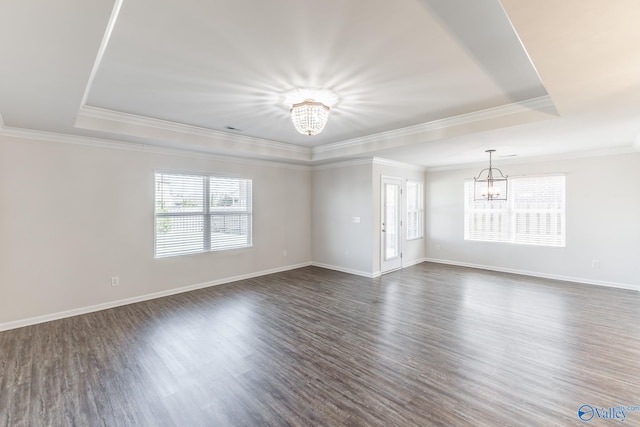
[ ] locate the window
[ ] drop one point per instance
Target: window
(534, 213)
(201, 213)
(415, 210)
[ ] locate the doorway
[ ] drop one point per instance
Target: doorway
(391, 225)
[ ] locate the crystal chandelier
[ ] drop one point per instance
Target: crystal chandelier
(309, 108)
(309, 116)
(487, 186)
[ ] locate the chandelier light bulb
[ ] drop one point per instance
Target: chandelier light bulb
(490, 192)
(490, 184)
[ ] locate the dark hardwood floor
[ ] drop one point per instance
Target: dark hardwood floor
(428, 345)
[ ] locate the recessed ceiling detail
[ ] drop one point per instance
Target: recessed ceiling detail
(423, 81)
(176, 77)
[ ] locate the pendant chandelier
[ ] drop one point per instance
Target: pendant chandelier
(488, 185)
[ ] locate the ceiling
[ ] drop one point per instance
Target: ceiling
(427, 82)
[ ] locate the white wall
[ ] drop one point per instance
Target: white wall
(603, 223)
(352, 189)
(72, 216)
(339, 193)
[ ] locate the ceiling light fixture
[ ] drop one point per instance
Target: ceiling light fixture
(309, 116)
(309, 109)
(486, 186)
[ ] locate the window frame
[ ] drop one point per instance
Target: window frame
(205, 213)
(504, 216)
(418, 212)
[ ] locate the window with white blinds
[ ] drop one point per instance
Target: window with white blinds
(201, 213)
(415, 210)
(534, 213)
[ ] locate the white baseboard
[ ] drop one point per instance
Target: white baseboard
(405, 264)
(90, 309)
(538, 274)
(414, 262)
(346, 270)
(371, 275)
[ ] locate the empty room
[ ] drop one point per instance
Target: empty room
(303, 213)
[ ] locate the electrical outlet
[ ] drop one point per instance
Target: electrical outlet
(595, 263)
(115, 280)
(284, 253)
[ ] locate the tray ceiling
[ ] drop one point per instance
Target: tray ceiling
(429, 82)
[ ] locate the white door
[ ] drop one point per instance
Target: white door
(391, 226)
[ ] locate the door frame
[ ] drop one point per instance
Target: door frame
(395, 263)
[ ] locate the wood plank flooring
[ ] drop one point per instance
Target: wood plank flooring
(428, 345)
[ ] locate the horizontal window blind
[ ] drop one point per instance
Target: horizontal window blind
(415, 210)
(201, 213)
(534, 213)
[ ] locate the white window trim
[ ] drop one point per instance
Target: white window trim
(506, 213)
(206, 213)
(419, 212)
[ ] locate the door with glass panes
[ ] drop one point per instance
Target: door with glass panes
(391, 224)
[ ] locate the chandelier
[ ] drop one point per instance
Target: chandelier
(309, 108)
(487, 186)
(309, 116)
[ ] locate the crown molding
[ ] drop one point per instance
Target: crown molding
(100, 119)
(369, 161)
(343, 164)
(392, 138)
(602, 152)
(222, 158)
(63, 138)
(393, 163)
